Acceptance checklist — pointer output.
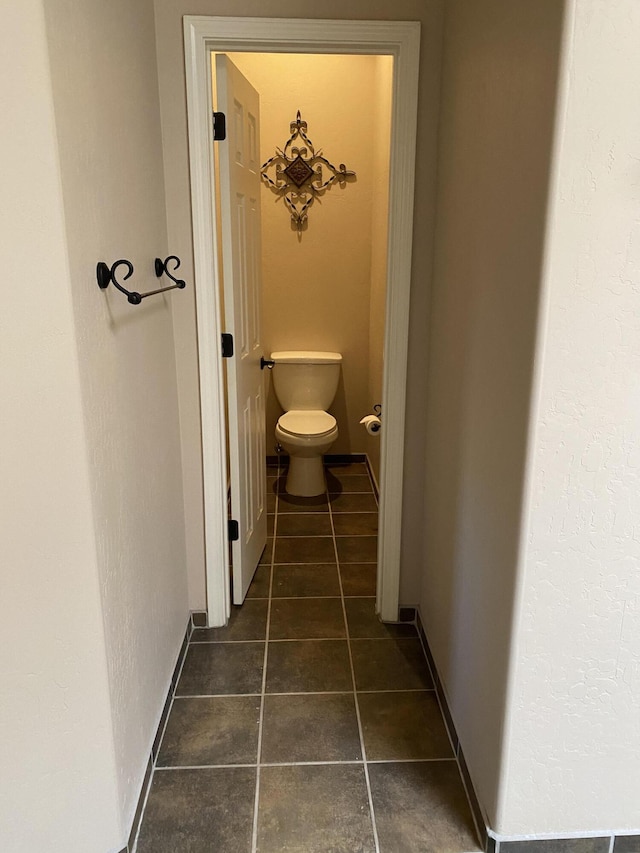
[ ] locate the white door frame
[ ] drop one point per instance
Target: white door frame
(400, 39)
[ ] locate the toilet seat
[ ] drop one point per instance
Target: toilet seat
(307, 423)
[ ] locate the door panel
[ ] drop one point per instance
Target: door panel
(241, 265)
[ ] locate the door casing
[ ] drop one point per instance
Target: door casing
(400, 39)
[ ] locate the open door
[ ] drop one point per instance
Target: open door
(239, 169)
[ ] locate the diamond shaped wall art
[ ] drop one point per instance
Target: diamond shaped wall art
(299, 174)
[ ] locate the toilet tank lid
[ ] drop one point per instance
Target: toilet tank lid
(305, 357)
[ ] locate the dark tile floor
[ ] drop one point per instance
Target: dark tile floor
(306, 725)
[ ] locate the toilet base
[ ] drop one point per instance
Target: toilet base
(306, 477)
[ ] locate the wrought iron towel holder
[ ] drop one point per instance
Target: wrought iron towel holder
(106, 275)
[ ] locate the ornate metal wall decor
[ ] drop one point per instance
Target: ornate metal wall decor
(295, 173)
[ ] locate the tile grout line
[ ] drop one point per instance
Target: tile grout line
(355, 693)
(256, 802)
(154, 762)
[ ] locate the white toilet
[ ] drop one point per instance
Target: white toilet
(305, 384)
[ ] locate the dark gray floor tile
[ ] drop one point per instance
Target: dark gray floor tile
(358, 578)
(220, 668)
(270, 503)
(211, 730)
(305, 666)
(271, 523)
(421, 806)
(305, 579)
(259, 587)
(265, 559)
(398, 726)
(199, 811)
(357, 549)
(356, 524)
(304, 524)
(363, 622)
(247, 622)
(627, 844)
(564, 845)
(310, 728)
(346, 502)
(347, 469)
(390, 665)
(314, 809)
(292, 503)
(305, 549)
(336, 485)
(306, 619)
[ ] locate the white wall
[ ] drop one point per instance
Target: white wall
(57, 762)
(104, 75)
(498, 96)
(173, 108)
(572, 760)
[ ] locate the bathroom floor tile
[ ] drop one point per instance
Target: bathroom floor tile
(271, 523)
(627, 844)
(259, 587)
(305, 549)
(421, 806)
(307, 666)
(399, 726)
(358, 578)
(306, 619)
(199, 811)
(211, 730)
(357, 549)
(212, 669)
(348, 484)
(310, 728)
(346, 502)
(363, 622)
(265, 558)
(248, 622)
(390, 665)
(305, 524)
(293, 580)
(347, 469)
(314, 809)
(292, 503)
(356, 524)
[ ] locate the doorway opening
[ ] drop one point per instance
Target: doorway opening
(396, 42)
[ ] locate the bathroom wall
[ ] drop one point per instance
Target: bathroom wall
(317, 289)
(173, 109)
(57, 761)
(382, 105)
(572, 756)
(105, 98)
(498, 104)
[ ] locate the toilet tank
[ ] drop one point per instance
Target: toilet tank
(306, 380)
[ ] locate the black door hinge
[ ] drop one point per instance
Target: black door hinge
(227, 345)
(234, 531)
(219, 127)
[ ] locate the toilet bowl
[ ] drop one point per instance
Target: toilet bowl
(305, 384)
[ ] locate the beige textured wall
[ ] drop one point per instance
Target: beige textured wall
(57, 763)
(498, 104)
(382, 100)
(317, 289)
(173, 109)
(105, 97)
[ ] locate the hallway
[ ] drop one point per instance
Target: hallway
(307, 725)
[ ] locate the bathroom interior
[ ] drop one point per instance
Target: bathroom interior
(324, 286)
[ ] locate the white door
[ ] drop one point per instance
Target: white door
(239, 163)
